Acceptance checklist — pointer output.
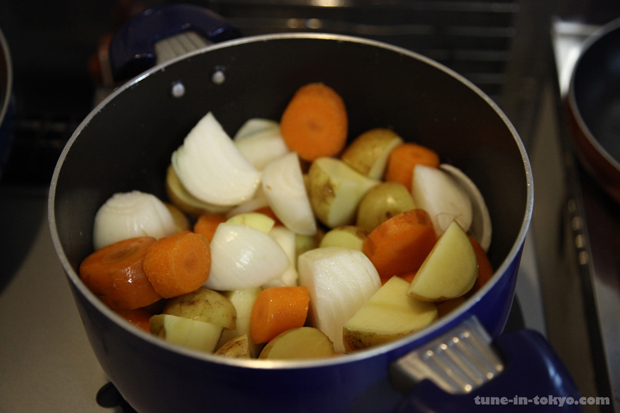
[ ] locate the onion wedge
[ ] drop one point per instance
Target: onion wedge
(131, 214)
(287, 240)
(340, 281)
(284, 188)
(211, 168)
(481, 228)
(244, 257)
(260, 141)
(441, 196)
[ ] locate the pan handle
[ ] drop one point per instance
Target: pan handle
(464, 371)
(132, 49)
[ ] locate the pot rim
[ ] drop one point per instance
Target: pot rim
(382, 350)
(5, 95)
(598, 34)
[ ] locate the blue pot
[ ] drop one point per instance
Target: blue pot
(126, 142)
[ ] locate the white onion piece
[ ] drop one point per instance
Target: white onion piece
(131, 214)
(258, 201)
(287, 240)
(211, 168)
(285, 190)
(254, 126)
(340, 281)
(438, 193)
(261, 145)
(481, 228)
(243, 257)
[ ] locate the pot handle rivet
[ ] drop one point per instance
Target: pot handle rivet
(178, 89)
(219, 75)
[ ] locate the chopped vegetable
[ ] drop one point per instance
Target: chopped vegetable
(204, 305)
(269, 212)
(287, 240)
(139, 317)
(335, 190)
(340, 281)
(400, 245)
(450, 269)
(315, 122)
(209, 164)
(277, 310)
(369, 152)
(206, 224)
(238, 348)
(129, 215)
(284, 188)
(439, 194)
(186, 332)
(115, 274)
(481, 228)
(261, 146)
(181, 222)
(485, 269)
(244, 257)
(404, 158)
(178, 264)
(298, 344)
(185, 201)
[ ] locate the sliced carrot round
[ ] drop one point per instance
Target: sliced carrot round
(178, 264)
(315, 122)
(115, 274)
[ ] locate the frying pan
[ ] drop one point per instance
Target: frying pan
(126, 143)
(593, 103)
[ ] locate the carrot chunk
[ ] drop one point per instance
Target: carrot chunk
(485, 269)
(277, 310)
(207, 224)
(404, 158)
(400, 245)
(315, 122)
(178, 264)
(139, 317)
(115, 274)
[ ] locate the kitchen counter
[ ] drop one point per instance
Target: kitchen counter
(47, 363)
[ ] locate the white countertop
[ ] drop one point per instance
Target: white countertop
(46, 362)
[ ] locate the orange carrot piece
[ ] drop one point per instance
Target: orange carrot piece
(207, 224)
(400, 244)
(139, 317)
(315, 122)
(404, 158)
(266, 210)
(485, 269)
(115, 274)
(277, 310)
(178, 264)
(408, 277)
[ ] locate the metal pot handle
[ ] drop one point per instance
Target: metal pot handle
(133, 47)
(463, 370)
